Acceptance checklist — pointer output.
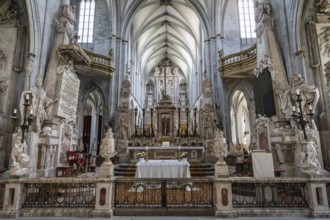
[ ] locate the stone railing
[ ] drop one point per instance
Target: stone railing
(100, 63)
(220, 197)
(90, 62)
(290, 196)
(239, 64)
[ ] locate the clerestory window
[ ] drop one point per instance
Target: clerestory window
(246, 20)
(86, 21)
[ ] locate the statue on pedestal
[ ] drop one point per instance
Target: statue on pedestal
(219, 145)
(107, 148)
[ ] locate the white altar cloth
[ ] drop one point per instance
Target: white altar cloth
(262, 163)
(162, 169)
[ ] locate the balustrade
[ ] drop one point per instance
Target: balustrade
(272, 194)
(178, 193)
(60, 195)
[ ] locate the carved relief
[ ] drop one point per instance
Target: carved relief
(261, 10)
(327, 72)
(2, 59)
(324, 38)
(126, 88)
(8, 11)
(65, 68)
(264, 62)
(322, 6)
(3, 89)
(314, 56)
(224, 196)
(206, 88)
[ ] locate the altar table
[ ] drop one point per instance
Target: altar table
(195, 153)
(162, 169)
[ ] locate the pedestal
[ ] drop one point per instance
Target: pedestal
(103, 204)
(221, 170)
(107, 169)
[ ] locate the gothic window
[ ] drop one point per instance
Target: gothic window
(246, 20)
(86, 21)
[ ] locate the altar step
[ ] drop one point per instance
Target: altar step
(196, 170)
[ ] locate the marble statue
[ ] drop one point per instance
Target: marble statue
(209, 127)
(219, 145)
(19, 157)
(309, 163)
(122, 129)
(107, 148)
(41, 105)
(65, 20)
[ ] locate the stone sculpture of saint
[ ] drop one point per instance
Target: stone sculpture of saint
(41, 105)
(122, 129)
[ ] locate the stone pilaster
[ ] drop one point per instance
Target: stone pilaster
(317, 197)
(103, 204)
(223, 199)
(12, 200)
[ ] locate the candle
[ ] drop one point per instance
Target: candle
(15, 111)
(31, 111)
(27, 97)
(298, 92)
(146, 147)
(179, 147)
(293, 108)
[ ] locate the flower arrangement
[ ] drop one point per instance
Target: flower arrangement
(184, 154)
(141, 154)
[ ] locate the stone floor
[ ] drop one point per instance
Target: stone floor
(171, 217)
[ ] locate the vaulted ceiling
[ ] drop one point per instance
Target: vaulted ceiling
(162, 29)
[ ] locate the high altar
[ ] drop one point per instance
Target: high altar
(166, 121)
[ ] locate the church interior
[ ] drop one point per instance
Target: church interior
(164, 107)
